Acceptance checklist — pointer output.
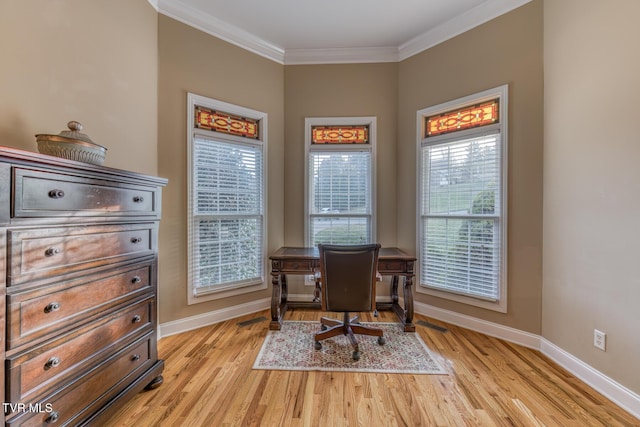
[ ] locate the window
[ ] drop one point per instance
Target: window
(340, 177)
(462, 199)
(226, 221)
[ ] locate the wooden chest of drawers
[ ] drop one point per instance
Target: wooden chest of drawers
(78, 288)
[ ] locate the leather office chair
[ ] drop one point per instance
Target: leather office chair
(348, 277)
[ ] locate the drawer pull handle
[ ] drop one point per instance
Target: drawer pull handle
(138, 199)
(135, 240)
(136, 319)
(52, 306)
(52, 251)
(54, 362)
(135, 357)
(52, 418)
(136, 279)
(56, 194)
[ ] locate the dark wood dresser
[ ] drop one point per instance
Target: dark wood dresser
(78, 276)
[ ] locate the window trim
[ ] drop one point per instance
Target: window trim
(309, 147)
(231, 289)
(500, 92)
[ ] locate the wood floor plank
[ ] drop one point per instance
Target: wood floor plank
(209, 381)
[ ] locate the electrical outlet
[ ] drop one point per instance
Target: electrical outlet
(599, 340)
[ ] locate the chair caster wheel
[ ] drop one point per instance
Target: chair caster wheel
(356, 355)
(381, 340)
(318, 345)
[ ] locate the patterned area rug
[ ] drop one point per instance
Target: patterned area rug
(292, 348)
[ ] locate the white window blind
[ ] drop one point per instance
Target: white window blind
(226, 222)
(462, 206)
(227, 214)
(339, 197)
(460, 214)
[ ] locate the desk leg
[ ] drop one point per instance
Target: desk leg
(285, 291)
(316, 292)
(278, 300)
(408, 304)
(404, 314)
(394, 289)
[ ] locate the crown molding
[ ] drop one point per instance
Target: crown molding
(341, 55)
(447, 30)
(209, 24)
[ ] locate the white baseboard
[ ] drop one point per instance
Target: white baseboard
(506, 333)
(617, 393)
(212, 317)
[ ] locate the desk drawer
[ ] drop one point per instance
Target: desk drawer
(298, 266)
(38, 253)
(45, 367)
(394, 266)
(39, 193)
(35, 314)
(79, 399)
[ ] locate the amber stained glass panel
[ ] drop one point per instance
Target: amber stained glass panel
(340, 134)
(226, 123)
(463, 118)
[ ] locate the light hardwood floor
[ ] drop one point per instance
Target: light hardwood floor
(209, 382)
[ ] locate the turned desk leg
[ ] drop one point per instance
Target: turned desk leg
(316, 291)
(405, 314)
(284, 295)
(279, 296)
(394, 289)
(276, 302)
(408, 305)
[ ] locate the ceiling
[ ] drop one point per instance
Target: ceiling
(335, 31)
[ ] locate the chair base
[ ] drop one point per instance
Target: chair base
(348, 327)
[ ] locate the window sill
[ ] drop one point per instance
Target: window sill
(499, 305)
(215, 294)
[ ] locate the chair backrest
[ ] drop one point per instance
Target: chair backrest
(348, 276)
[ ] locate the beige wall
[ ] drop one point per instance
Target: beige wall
(94, 62)
(352, 90)
(349, 90)
(124, 71)
(506, 50)
(592, 183)
(192, 61)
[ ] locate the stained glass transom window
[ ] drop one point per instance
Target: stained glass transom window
(463, 118)
(340, 135)
(225, 123)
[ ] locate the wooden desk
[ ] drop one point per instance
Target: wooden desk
(289, 260)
